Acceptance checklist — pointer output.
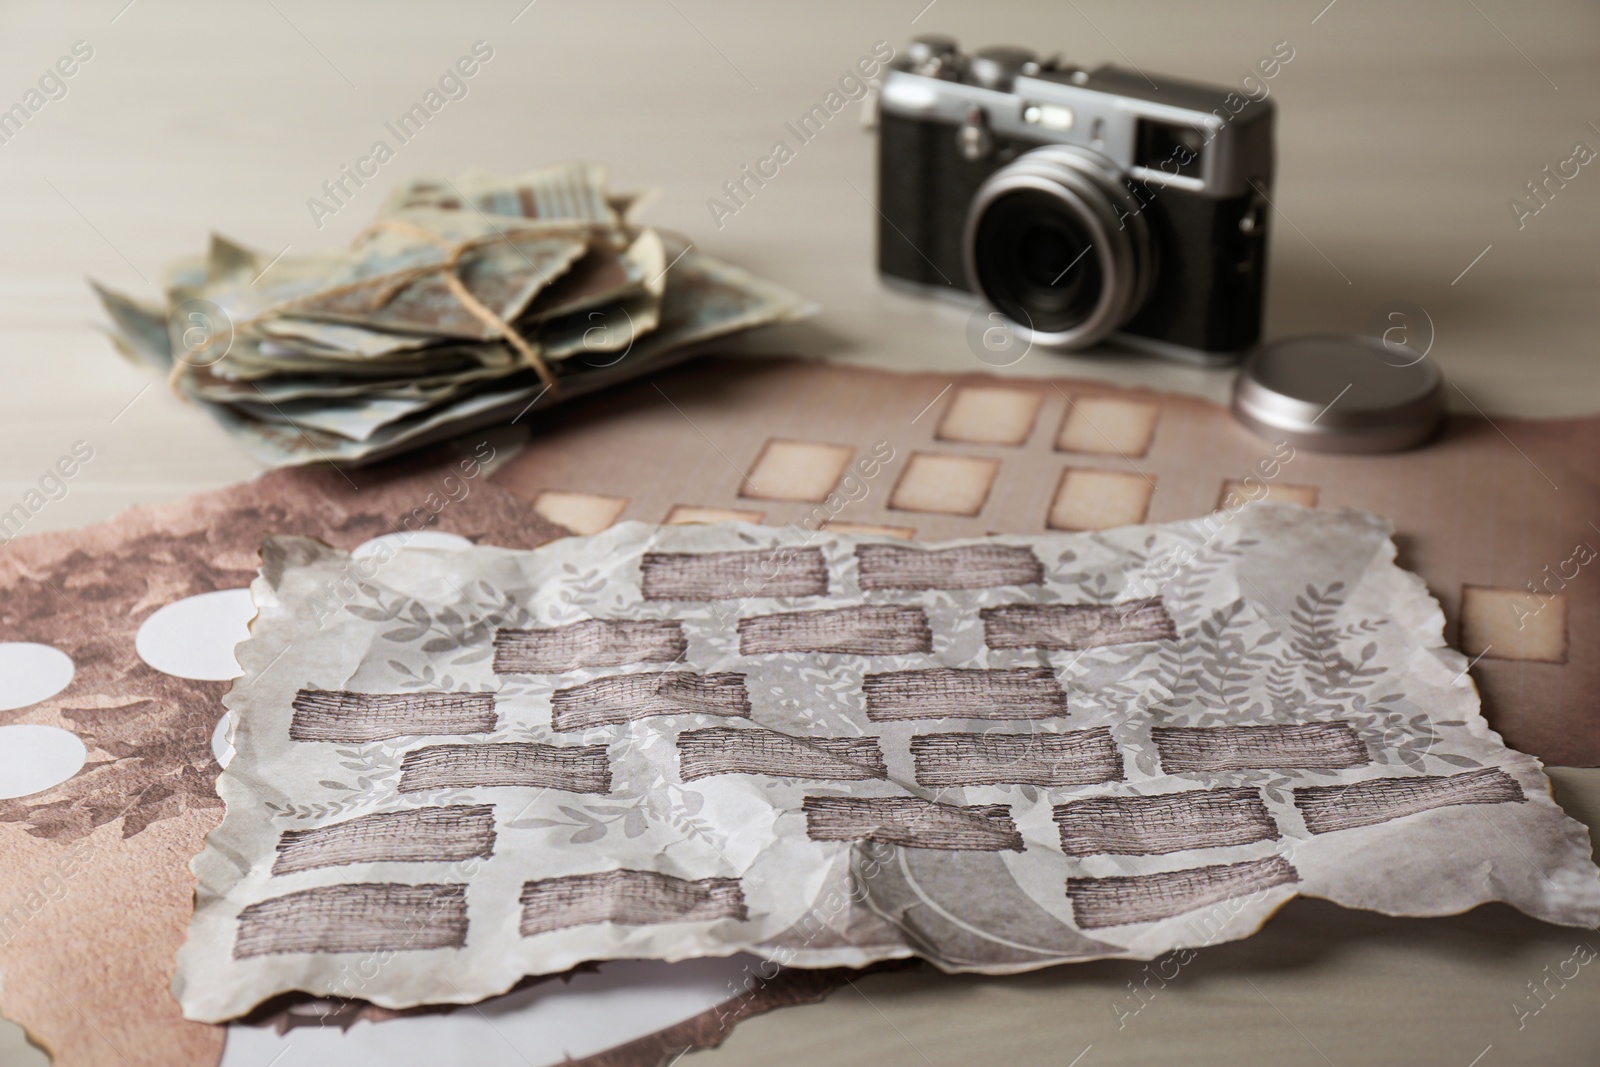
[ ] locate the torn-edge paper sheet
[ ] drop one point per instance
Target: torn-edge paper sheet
(457, 768)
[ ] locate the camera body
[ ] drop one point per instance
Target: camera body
(1083, 205)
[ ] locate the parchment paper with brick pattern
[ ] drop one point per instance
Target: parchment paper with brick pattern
(680, 741)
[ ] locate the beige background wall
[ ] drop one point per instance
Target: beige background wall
(1404, 130)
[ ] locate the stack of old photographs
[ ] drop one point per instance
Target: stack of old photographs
(468, 302)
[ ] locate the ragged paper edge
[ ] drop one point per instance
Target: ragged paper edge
(1429, 630)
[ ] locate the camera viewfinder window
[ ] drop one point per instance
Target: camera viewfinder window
(1169, 148)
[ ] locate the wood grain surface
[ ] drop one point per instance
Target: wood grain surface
(1404, 131)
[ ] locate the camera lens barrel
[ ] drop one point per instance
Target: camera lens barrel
(1060, 246)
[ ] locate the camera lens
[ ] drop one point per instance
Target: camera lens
(1037, 261)
(1058, 244)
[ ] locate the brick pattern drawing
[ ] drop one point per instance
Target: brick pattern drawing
(1309, 745)
(1077, 626)
(1142, 898)
(1016, 759)
(633, 898)
(1083, 757)
(421, 835)
(724, 750)
(912, 823)
(365, 917)
(885, 630)
(1329, 808)
(964, 567)
(574, 768)
(624, 698)
(1167, 822)
(733, 575)
(964, 693)
(356, 718)
(590, 643)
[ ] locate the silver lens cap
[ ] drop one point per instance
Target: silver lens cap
(1340, 393)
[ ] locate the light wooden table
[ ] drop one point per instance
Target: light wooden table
(1403, 136)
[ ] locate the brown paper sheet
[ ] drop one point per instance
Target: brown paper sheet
(1484, 512)
(95, 893)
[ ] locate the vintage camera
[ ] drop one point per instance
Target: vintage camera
(1083, 205)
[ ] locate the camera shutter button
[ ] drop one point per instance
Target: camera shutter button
(994, 68)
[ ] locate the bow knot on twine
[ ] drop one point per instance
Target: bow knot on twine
(449, 268)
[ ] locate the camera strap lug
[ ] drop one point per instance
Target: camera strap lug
(973, 138)
(1255, 214)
